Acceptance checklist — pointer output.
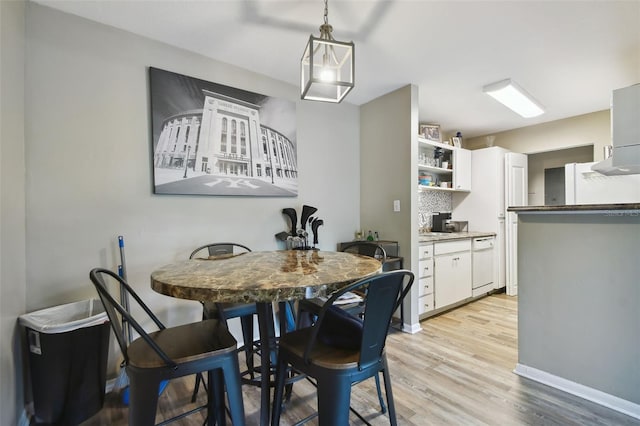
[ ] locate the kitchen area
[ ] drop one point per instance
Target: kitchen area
(470, 220)
(574, 266)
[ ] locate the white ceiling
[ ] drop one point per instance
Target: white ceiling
(569, 55)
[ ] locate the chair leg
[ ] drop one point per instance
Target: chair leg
(196, 388)
(383, 408)
(216, 413)
(387, 389)
(278, 392)
(247, 334)
(231, 374)
(334, 399)
(199, 376)
(267, 343)
(143, 400)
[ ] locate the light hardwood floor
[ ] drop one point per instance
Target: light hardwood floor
(457, 371)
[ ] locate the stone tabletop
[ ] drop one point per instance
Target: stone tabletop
(262, 276)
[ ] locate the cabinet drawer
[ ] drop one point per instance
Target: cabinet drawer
(425, 268)
(425, 251)
(425, 286)
(425, 304)
(452, 246)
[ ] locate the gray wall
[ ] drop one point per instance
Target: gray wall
(12, 203)
(388, 161)
(88, 170)
(578, 301)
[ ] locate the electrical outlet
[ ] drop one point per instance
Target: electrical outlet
(396, 205)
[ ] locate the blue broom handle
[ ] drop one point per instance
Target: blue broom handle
(124, 297)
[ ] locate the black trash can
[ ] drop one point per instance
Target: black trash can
(68, 348)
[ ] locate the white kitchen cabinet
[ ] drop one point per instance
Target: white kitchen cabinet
(452, 272)
(462, 169)
(425, 278)
(451, 173)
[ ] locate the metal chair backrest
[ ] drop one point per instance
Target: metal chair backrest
(115, 312)
(383, 295)
(220, 249)
(366, 248)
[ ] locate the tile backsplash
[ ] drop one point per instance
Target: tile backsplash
(430, 202)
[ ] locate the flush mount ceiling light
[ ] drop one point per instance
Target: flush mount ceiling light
(514, 97)
(327, 66)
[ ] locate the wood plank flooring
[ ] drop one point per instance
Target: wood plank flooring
(457, 371)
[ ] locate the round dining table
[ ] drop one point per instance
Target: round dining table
(263, 277)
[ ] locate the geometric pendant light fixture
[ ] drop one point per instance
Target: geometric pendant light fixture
(514, 97)
(327, 67)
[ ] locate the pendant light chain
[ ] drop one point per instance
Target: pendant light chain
(325, 29)
(326, 12)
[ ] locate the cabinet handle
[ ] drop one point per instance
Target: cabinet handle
(456, 258)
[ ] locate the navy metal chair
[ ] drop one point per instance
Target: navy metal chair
(226, 311)
(325, 351)
(308, 308)
(170, 353)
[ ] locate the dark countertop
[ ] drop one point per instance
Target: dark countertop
(429, 237)
(585, 208)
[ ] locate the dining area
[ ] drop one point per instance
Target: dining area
(332, 349)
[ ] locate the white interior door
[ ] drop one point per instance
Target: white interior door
(516, 194)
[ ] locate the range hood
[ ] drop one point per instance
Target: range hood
(625, 134)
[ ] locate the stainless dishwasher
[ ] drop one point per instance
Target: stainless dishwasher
(483, 265)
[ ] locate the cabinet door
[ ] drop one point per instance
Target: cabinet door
(462, 169)
(452, 278)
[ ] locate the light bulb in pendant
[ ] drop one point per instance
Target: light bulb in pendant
(327, 75)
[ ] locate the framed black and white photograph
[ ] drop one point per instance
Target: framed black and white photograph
(457, 142)
(211, 139)
(430, 132)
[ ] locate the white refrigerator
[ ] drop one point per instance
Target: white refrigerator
(499, 179)
(584, 186)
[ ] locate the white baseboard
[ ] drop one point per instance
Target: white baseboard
(411, 328)
(607, 400)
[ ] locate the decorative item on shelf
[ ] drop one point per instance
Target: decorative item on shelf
(431, 132)
(437, 156)
(457, 142)
(327, 67)
(369, 236)
(490, 139)
(424, 180)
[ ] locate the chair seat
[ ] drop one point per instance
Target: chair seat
(182, 344)
(322, 355)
